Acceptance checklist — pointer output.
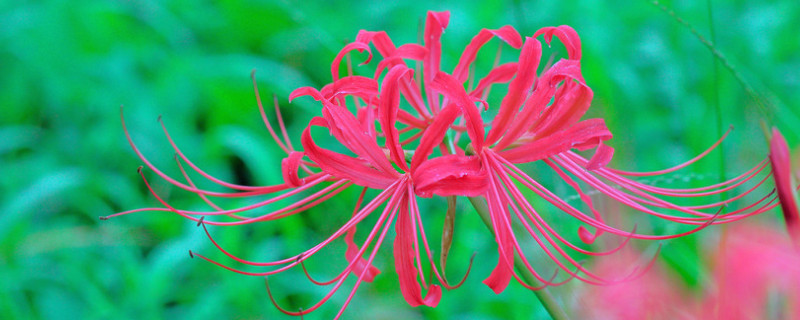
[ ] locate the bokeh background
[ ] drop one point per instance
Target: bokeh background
(66, 67)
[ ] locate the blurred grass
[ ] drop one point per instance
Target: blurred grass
(67, 66)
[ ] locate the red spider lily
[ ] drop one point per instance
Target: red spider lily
(538, 119)
(782, 169)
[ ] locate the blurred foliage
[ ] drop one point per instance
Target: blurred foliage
(67, 67)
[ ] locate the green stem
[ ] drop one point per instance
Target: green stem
(715, 100)
(550, 305)
(766, 110)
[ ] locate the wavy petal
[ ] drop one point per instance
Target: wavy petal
(404, 257)
(506, 33)
(357, 170)
(450, 88)
(450, 175)
(434, 27)
(363, 87)
(410, 51)
(518, 89)
(379, 39)
(568, 37)
(434, 135)
(500, 74)
(387, 111)
(360, 47)
(359, 263)
(571, 102)
(583, 135)
(289, 167)
(601, 157)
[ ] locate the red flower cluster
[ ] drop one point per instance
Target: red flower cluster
(426, 136)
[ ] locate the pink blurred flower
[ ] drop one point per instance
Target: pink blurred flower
(758, 268)
(654, 295)
(755, 276)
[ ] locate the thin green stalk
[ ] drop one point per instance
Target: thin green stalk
(550, 305)
(715, 98)
(763, 108)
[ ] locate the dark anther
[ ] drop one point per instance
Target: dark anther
(200, 222)
(104, 218)
(191, 255)
(139, 170)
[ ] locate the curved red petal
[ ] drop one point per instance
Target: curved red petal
(567, 35)
(387, 112)
(434, 134)
(404, 258)
(434, 27)
(289, 167)
(379, 39)
(518, 90)
(583, 135)
(363, 87)
(501, 275)
(454, 91)
(351, 133)
(602, 156)
(411, 51)
(572, 100)
(341, 166)
(500, 74)
(347, 48)
(450, 175)
(506, 33)
(359, 263)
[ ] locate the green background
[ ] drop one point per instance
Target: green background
(66, 67)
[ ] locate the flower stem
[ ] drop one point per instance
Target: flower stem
(550, 305)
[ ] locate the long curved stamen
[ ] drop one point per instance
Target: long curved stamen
(634, 201)
(544, 227)
(357, 218)
(439, 276)
(259, 191)
(677, 167)
(283, 212)
(202, 196)
(391, 207)
(200, 171)
(544, 247)
(497, 210)
(606, 173)
(264, 116)
(567, 208)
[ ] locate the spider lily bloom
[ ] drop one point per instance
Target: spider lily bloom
(782, 170)
(529, 127)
